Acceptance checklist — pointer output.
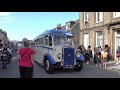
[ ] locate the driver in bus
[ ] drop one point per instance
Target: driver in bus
(57, 41)
(69, 41)
(63, 41)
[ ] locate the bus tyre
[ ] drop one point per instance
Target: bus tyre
(48, 67)
(78, 66)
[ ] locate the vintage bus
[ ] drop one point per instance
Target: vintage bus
(55, 49)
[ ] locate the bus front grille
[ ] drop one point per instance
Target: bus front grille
(68, 57)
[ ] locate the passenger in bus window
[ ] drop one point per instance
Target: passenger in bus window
(57, 41)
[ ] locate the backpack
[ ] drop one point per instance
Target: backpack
(104, 55)
(6, 51)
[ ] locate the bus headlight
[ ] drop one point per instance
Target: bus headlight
(59, 55)
(78, 55)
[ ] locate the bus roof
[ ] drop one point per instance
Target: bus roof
(51, 32)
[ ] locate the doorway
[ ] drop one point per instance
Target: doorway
(99, 39)
(117, 40)
(86, 40)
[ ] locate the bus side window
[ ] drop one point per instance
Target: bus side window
(37, 42)
(46, 39)
(50, 41)
(42, 41)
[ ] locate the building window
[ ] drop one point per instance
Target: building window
(86, 17)
(67, 26)
(99, 17)
(116, 14)
(118, 32)
(99, 39)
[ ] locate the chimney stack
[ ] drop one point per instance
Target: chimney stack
(58, 26)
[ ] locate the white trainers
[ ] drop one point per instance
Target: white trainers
(87, 63)
(116, 63)
(100, 65)
(96, 65)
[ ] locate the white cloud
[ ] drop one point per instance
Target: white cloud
(5, 13)
(6, 21)
(5, 17)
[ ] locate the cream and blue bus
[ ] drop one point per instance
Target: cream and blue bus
(55, 49)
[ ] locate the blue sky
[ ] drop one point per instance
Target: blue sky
(19, 25)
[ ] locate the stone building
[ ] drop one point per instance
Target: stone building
(67, 27)
(100, 28)
(4, 37)
(75, 29)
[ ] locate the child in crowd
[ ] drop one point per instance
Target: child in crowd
(97, 57)
(104, 58)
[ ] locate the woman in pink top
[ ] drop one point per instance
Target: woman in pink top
(26, 60)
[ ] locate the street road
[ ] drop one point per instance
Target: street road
(89, 71)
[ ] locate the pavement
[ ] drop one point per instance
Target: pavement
(110, 66)
(113, 67)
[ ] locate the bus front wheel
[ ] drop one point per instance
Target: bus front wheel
(78, 66)
(48, 67)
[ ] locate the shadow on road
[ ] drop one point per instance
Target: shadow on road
(59, 70)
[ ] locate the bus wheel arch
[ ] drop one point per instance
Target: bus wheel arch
(49, 68)
(79, 65)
